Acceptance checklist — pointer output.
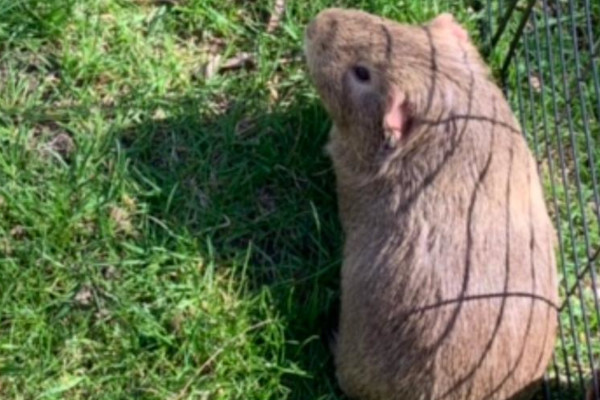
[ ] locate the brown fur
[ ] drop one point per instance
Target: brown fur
(449, 285)
(591, 393)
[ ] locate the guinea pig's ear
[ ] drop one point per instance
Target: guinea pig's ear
(447, 22)
(396, 119)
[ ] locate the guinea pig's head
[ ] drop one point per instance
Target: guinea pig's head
(377, 76)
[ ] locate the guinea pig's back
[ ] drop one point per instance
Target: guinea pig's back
(505, 324)
(454, 298)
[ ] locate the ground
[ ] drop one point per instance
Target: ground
(168, 225)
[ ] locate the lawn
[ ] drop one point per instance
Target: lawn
(168, 224)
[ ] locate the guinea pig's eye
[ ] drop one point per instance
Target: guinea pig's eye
(361, 73)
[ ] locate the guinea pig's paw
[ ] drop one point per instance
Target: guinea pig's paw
(446, 21)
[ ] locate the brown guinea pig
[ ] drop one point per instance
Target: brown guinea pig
(449, 286)
(593, 392)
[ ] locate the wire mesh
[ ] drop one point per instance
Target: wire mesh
(550, 75)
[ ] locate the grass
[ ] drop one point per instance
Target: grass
(166, 232)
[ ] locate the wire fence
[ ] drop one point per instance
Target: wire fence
(550, 52)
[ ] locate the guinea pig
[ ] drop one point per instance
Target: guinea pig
(593, 386)
(448, 281)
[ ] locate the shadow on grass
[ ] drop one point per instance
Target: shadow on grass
(258, 181)
(258, 184)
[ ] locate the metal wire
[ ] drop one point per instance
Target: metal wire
(548, 52)
(550, 73)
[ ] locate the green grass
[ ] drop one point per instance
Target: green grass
(164, 235)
